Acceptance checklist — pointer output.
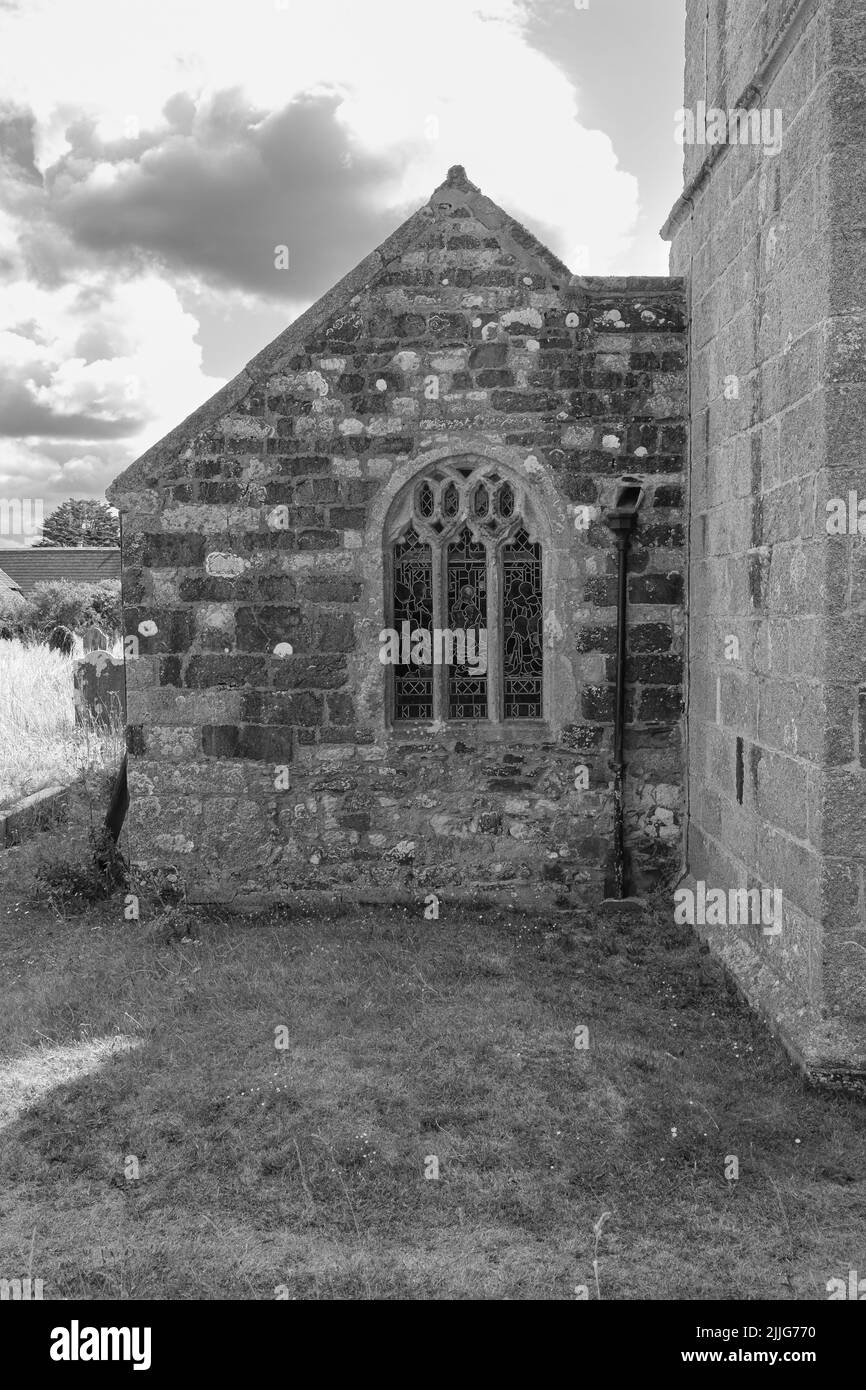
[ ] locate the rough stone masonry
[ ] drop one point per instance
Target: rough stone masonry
(772, 249)
(258, 550)
(462, 352)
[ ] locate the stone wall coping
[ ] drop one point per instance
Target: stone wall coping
(23, 813)
(646, 285)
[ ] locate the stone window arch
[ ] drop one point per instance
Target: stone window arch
(463, 552)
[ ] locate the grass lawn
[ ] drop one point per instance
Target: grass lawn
(303, 1167)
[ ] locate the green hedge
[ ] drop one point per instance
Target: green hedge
(60, 602)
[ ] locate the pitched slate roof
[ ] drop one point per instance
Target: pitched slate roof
(145, 470)
(31, 565)
(7, 584)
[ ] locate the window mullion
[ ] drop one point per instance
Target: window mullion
(494, 636)
(440, 621)
(390, 684)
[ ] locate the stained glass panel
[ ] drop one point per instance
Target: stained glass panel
(413, 603)
(496, 507)
(467, 609)
(450, 500)
(522, 652)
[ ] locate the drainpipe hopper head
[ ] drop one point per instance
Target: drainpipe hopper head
(622, 516)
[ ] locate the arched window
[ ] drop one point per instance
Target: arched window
(465, 571)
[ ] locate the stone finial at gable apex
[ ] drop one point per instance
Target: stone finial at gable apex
(457, 178)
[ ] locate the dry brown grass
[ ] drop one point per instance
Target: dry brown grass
(40, 743)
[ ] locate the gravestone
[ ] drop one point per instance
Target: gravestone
(100, 689)
(61, 639)
(95, 639)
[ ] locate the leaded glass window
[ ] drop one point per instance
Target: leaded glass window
(522, 651)
(466, 561)
(413, 603)
(467, 612)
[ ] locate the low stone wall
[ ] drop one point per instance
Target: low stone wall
(34, 813)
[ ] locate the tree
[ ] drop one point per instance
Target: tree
(59, 603)
(79, 522)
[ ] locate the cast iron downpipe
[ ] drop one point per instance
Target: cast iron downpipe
(621, 520)
(119, 803)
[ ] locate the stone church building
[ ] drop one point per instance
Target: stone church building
(373, 588)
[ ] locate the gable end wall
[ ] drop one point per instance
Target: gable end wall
(567, 383)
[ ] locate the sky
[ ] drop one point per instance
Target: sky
(153, 153)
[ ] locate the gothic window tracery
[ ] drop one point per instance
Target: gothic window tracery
(464, 555)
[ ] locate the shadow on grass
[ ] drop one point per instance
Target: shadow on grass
(298, 1083)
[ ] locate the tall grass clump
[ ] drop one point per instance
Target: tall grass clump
(40, 743)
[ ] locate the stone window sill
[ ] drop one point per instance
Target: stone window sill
(472, 732)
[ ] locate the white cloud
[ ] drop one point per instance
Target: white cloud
(420, 86)
(153, 375)
(500, 107)
(29, 473)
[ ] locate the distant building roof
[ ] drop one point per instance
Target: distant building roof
(31, 565)
(6, 582)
